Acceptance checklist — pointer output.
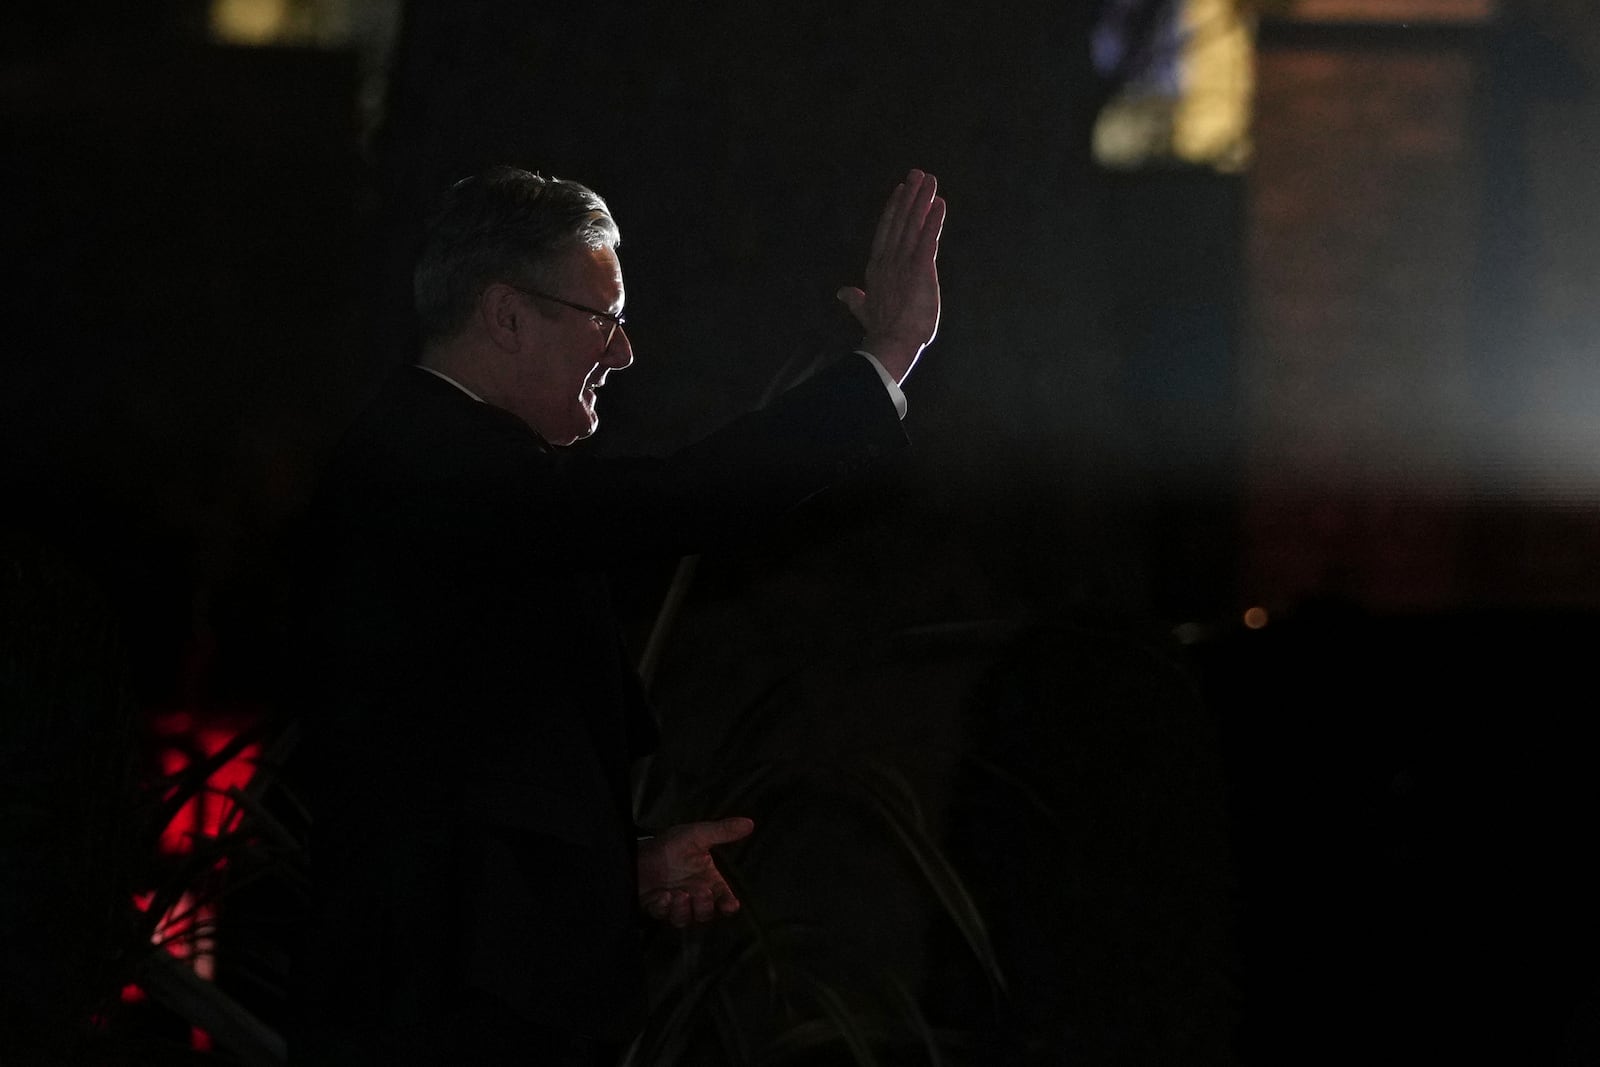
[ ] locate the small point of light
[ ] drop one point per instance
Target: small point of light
(1255, 618)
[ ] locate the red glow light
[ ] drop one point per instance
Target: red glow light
(185, 930)
(205, 813)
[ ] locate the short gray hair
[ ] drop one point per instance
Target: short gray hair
(504, 225)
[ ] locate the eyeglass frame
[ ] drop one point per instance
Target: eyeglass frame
(617, 321)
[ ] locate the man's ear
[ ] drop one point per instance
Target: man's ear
(504, 316)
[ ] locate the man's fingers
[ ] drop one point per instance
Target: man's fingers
(889, 221)
(932, 227)
(904, 240)
(886, 220)
(655, 905)
(927, 193)
(904, 228)
(697, 904)
(908, 214)
(905, 203)
(691, 906)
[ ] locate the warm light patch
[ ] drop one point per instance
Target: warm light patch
(1255, 618)
(249, 22)
(1211, 120)
(1188, 98)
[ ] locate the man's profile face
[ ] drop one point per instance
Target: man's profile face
(569, 359)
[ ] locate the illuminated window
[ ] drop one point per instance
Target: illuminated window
(1186, 70)
(319, 23)
(253, 22)
(1188, 77)
(368, 27)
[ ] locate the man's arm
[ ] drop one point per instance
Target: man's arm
(766, 462)
(899, 309)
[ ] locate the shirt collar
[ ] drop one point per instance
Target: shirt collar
(452, 381)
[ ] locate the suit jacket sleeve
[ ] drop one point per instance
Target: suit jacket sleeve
(728, 485)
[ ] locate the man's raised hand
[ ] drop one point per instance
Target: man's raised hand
(899, 309)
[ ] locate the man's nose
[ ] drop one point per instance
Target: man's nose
(619, 353)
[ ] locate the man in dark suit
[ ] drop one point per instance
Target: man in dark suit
(472, 714)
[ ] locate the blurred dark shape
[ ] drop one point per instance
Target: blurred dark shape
(1090, 816)
(184, 342)
(30, 29)
(67, 759)
(1413, 801)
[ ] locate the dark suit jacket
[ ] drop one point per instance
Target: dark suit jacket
(471, 714)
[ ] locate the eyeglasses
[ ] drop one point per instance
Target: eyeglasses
(603, 319)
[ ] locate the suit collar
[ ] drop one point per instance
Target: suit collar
(451, 392)
(445, 377)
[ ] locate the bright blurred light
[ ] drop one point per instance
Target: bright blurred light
(1256, 618)
(1211, 124)
(249, 22)
(1188, 99)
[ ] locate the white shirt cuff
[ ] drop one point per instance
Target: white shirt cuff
(895, 394)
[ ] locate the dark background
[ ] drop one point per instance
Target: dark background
(1348, 385)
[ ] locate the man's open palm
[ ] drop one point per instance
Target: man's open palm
(899, 308)
(678, 880)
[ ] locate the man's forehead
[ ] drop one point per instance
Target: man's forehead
(596, 273)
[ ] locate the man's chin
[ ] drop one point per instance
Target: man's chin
(589, 420)
(580, 425)
(580, 434)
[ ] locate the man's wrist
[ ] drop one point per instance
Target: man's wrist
(896, 354)
(889, 383)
